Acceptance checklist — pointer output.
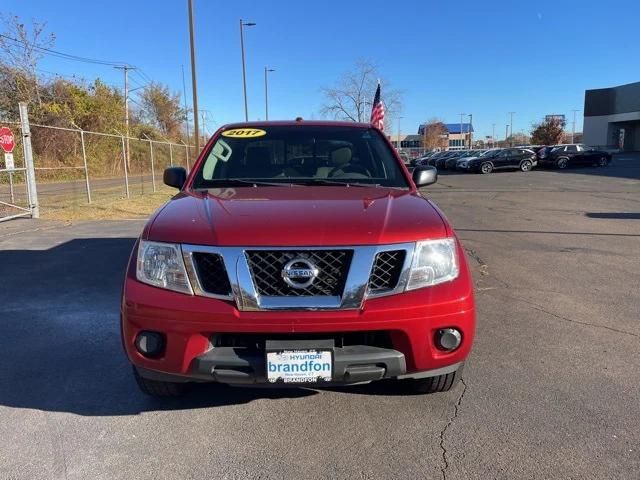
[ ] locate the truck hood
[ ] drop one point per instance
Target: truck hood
(296, 216)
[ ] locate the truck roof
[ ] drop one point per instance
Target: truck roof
(294, 123)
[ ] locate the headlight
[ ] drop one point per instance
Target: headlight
(161, 265)
(434, 262)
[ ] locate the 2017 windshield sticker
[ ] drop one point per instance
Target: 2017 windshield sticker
(244, 133)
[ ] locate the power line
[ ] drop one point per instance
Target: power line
(142, 81)
(144, 76)
(137, 82)
(48, 75)
(67, 56)
(136, 102)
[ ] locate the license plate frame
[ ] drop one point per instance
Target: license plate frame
(311, 365)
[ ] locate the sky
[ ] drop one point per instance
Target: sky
(486, 58)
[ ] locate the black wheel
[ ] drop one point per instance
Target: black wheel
(156, 388)
(441, 383)
(603, 162)
(562, 163)
(486, 167)
(526, 165)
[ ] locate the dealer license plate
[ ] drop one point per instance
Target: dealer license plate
(299, 366)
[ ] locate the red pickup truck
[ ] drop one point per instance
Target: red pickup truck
(297, 253)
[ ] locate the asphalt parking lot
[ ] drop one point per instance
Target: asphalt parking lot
(551, 390)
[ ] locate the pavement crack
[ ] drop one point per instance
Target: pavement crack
(473, 254)
(60, 459)
(483, 268)
(456, 409)
(572, 320)
(38, 229)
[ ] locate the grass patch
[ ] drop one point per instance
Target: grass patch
(105, 206)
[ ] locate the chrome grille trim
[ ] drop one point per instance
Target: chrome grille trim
(247, 298)
(386, 270)
(267, 266)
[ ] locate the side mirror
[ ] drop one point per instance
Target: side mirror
(424, 175)
(174, 176)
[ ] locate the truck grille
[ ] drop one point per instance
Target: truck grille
(386, 270)
(266, 268)
(212, 273)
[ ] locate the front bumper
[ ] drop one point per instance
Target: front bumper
(191, 324)
(351, 365)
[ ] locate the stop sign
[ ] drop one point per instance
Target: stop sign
(7, 140)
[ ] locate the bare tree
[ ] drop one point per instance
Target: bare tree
(352, 96)
(434, 134)
(162, 109)
(22, 47)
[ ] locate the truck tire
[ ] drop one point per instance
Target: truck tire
(156, 388)
(441, 383)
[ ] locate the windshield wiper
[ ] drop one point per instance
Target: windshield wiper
(324, 181)
(228, 182)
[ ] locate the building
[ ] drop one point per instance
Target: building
(459, 135)
(612, 117)
(406, 141)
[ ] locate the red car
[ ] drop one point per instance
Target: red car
(297, 253)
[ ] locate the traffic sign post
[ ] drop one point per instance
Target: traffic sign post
(8, 161)
(28, 161)
(8, 143)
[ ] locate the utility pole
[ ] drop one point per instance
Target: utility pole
(204, 128)
(186, 112)
(125, 69)
(470, 124)
(266, 92)
(511, 141)
(462, 134)
(193, 78)
(244, 73)
(573, 131)
(424, 136)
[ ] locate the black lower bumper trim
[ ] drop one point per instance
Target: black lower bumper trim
(351, 364)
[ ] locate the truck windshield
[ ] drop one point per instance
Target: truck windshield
(323, 155)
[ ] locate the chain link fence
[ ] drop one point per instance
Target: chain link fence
(75, 167)
(14, 194)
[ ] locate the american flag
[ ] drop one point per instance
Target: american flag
(377, 110)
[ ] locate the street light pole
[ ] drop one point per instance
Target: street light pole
(204, 127)
(398, 139)
(470, 124)
(463, 139)
(125, 69)
(244, 73)
(266, 92)
(573, 132)
(493, 134)
(511, 128)
(193, 78)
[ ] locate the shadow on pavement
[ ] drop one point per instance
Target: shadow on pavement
(543, 232)
(60, 347)
(614, 215)
(622, 166)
